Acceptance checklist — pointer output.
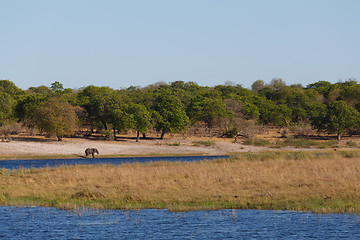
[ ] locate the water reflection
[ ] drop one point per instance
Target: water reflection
(50, 223)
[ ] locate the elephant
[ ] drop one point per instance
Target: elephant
(91, 151)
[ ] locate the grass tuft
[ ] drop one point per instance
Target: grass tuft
(174, 144)
(257, 142)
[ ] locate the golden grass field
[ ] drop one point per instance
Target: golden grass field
(302, 181)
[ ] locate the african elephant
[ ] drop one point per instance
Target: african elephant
(91, 151)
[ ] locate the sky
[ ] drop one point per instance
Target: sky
(120, 43)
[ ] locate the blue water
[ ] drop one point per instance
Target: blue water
(50, 223)
(14, 164)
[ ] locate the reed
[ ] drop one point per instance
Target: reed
(302, 181)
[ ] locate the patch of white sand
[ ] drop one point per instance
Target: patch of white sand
(78, 146)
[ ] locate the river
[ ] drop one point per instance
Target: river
(40, 163)
(50, 223)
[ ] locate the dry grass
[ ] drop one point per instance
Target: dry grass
(306, 182)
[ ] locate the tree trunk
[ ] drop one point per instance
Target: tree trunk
(104, 124)
(162, 135)
(114, 130)
(137, 136)
(59, 138)
(339, 136)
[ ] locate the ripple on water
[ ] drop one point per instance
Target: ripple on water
(50, 223)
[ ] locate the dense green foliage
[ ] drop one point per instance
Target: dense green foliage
(56, 117)
(172, 108)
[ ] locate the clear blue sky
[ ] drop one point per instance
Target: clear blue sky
(120, 43)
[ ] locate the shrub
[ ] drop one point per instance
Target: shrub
(302, 129)
(108, 135)
(247, 128)
(230, 133)
(350, 154)
(204, 143)
(299, 143)
(351, 143)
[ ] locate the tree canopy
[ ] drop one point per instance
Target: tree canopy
(56, 117)
(171, 108)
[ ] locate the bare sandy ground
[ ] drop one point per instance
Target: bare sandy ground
(126, 147)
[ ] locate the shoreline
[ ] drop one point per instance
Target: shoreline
(55, 157)
(75, 148)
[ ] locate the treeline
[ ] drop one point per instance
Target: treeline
(173, 107)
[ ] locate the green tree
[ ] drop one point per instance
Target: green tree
(96, 100)
(282, 115)
(250, 111)
(351, 95)
(27, 107)
(339, 117)
(9, 95)
(258, 85)
(269, 112)
(57, 87)
(299, 100)
(185, 91)
(11, 89)
(117, 107)
(208, 108)
(169, 112)
(324, 88)
(277, 84)
(6, 107)
(43, 90)
(57, 118)
(141, 119)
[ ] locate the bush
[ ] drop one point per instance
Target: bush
(350, 154)
(231, 133)
(8, 129)
(107, 135)
(247, 128)
(351, 144)
(299, 143)
(302, 130)
(306, 143)
(257, 142)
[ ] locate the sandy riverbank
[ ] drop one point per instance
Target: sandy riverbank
(126, 147)
(33, 147)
